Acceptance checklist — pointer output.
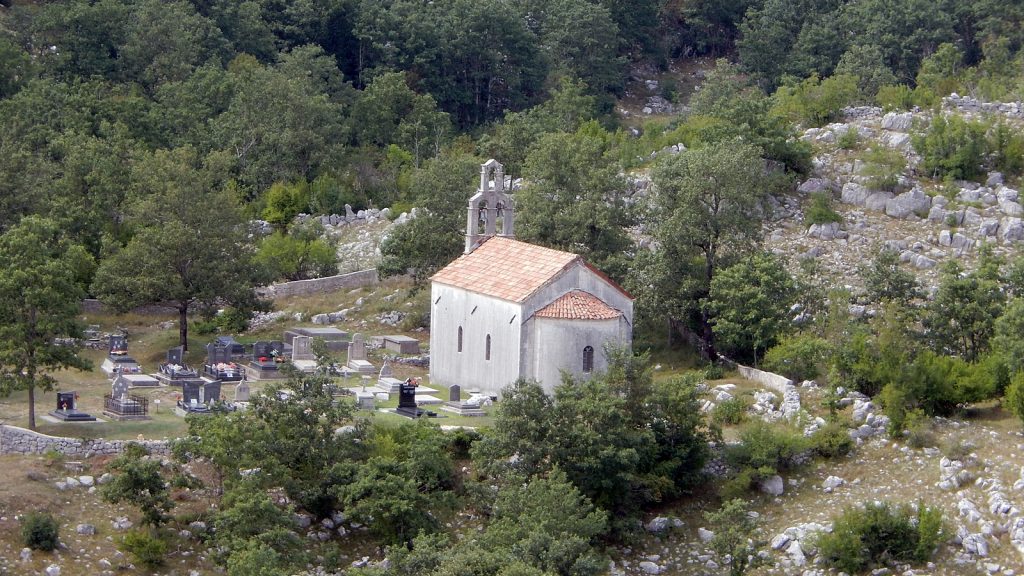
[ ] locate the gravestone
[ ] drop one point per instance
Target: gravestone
(118, 345)
(219, 362)
(454, 393)
(191, 393)
(365, 400)
(211, 392)
(242, 392)
(302, 348)
(357, 355)
(386, 380)
(261, 351)
(66, 401)
(175, 355)
(357, 348)
(119, 389)
(216, 353)
(407, 399)
(67, 409)
(457, 405)
(229, 343)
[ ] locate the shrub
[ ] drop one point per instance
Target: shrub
(799, 357)
(883, 167)
(956, 449)
(39, 531)
(879, 533)
(1014, 399)
(898, 97)
(729, 412)
(952, 146)
(919, 430)
(814, 102)
(820, 210)
(764, 449)
(848, 140)
(831, 441)
(146, 548)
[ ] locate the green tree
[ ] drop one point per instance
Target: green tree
(1007, 335)
(1014, 399)
(138, 481)
(961, 318)
(15, 68)
(574, 199)
(430, 241)
(952, 147)
(750, 303)
(284, 202)
(305, 253)
(885, 281)
(551, 522)
(41, 278)
(709, 200)
(189, 247)
(733, 528)
(866, 63)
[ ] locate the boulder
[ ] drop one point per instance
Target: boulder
(705, 535)
(877, 201)
(994, 179)
(1005, 194)
(657, 525)
(832, 482)
(913, 202)
(855, 194)
(815, 185)
(85, 529)
(648, 567)
(1011, 229)
(1011, 208)
(897, 122)
(773, 485)
(988, 227)
(53, 570)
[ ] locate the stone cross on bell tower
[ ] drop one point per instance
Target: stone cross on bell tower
(489, 202)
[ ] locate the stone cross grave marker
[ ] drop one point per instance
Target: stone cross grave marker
(119, 389)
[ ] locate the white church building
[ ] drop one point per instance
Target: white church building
(507, 309)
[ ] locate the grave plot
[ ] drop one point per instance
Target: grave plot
(120, 405)
(66, 410)
(220, 364)
(118, 361)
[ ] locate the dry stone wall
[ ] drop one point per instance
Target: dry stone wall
(15, 440)
(320, 285)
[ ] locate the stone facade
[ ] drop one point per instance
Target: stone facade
(14, 440)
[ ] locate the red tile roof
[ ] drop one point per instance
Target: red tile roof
(505, 268)
(578, 305)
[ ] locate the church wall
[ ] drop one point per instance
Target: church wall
(579, 277)
(478, 315)
(557, 344)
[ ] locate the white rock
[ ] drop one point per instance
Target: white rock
(53, 570)
(773, 485)
(705, 535)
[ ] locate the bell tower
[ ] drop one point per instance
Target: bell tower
(490, 203)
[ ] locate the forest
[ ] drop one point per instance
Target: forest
(140, 139)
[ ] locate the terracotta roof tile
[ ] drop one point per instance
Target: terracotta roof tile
(505, 268)
(578, 305)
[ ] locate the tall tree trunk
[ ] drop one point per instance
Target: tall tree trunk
(31, 407)
(183, 326)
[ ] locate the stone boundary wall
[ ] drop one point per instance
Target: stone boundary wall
(15, 440)
(769, 379)
(320, 285)
(94, 306)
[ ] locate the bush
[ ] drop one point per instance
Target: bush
(764, 445)
(957, 449)
(919, 430)
(729, 412)
(848, 140)
(879, 533)
(147, 549)
(816, 103)
(831, 441)
(883, 167)
(898, 97)
(1014, 399)
(799, 357)
(952, 147)
(820, 210)
(39, 531)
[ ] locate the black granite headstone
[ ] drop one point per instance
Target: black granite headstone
(175, 355)
(211, 392)
(454, 393)
(118, 345)
(407, 399)
(66, 401)
(189, 392)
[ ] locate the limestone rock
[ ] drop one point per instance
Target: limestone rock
(897, 122)
(85, 529)
(657, 525)
(773, 485)
(855, 194)
(53, 570)
(913, 202)
(648, 567)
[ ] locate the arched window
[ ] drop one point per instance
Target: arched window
(588, 359)
(460, 338)
(487, 349)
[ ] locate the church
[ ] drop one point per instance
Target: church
(507, 309)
